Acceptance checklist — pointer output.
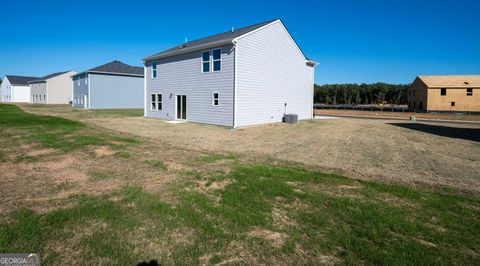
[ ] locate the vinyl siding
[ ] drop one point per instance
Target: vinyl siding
(115, 92)
(60, 89)
(5, 90)
(271, 72)
(21, 94)
(182, 75)
(38, 92)
(80, 89)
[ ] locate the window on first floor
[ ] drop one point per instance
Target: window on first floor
(443, 91)
(413, 92)
(215, 99)
(156, 103)
(469, 92)
(44, 98)
(452, 104)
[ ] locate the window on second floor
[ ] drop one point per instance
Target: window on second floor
(443, 91)
(154, 70)
(206, 61)
(469, 92)
(217, 60)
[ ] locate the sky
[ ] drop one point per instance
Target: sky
(354, 41)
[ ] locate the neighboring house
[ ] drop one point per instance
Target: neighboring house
(445, 93)
(114, 85)
(15, 89)
(247, 76)
(55, 88)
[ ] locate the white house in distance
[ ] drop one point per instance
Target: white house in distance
(55, 88)
(15, 89)
(247, 76)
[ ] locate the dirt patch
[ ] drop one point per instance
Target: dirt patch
(103, 151)
(399, 114)
(282, 219)
(40, 152)
(425, 243)
(276, 239)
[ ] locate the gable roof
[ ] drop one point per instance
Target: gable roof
(115, 68)
(459, 81)
(214, 40)
(44, 78)
(19, 80)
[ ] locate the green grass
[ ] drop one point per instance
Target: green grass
(123, 154)
(97, 175)
(54, 132)
(359, 227)
(26, 159)
(319, 214)
(156, 164)
(211, 158)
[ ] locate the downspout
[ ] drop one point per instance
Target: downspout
(235, 69)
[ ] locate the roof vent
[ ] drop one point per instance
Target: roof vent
(466, 82)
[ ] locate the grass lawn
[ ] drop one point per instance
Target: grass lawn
(217, 208)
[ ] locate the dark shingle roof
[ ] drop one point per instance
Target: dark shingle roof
(116, 67)
(44, 78)
(225, 37)
(20, 80)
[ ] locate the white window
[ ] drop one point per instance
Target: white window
(215, 99)
(154, 70)
(217, 59)
(86, 80)
(206, 61)
(78, 81)
(156, 103)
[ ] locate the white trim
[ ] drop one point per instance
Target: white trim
(213, 99)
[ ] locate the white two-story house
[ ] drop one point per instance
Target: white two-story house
(247, 76)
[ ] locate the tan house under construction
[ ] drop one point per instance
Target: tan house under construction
(445, 93)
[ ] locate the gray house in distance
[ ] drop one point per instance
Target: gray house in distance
(55, 88)
(114, 85)
(247, 76)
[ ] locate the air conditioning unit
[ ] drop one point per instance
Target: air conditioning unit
(290, 118)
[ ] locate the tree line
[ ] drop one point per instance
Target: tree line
(361, 93)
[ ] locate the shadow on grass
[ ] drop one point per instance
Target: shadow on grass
(472, 134)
